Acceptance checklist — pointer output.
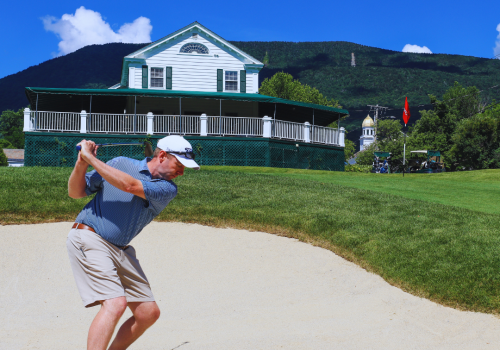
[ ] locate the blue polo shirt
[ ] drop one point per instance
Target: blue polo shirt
(118, 216)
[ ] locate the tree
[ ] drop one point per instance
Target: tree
(283, 85)
(390, 138)
(349, 149)
(476, 141)
(11, 127)
(365, 157)
(434, 130)
(5, 144)
(3, 158)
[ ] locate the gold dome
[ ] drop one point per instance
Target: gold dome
(368, 122)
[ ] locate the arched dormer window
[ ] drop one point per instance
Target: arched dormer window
(194, 47)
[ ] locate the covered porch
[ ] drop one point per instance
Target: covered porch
(163, 112)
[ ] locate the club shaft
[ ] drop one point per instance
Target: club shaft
(79, 148)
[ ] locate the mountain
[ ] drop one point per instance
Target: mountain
(96, 66)
(380, 76)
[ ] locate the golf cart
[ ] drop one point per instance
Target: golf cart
(432, 164)
(381, 166)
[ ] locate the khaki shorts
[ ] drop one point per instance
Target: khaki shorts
(103, 271)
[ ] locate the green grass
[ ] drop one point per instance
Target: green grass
(475, 190)
(445, 252)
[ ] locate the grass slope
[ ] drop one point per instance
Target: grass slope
(443, 252)
(474, 190)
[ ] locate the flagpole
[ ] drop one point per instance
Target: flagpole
(406, 119)
(404, 154)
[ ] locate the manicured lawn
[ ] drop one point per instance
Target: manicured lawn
(445, 252)
(475, 190)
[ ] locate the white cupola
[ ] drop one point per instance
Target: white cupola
(368, 135)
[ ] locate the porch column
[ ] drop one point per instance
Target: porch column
(267, 127)
(342, 137)
(150, 117)
(83, 122)
(203, 125)
(28, 125)
(307, 132)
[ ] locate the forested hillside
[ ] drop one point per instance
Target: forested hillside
(381, 77)
(96, 66)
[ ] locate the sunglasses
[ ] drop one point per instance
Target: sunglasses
(188, 155)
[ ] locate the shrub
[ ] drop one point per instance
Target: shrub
(356, 168)
(3, 158)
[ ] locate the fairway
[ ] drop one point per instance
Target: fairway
(475, 190)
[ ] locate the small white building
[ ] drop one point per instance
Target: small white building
(368, 135)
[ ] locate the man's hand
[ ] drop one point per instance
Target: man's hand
(88, 150)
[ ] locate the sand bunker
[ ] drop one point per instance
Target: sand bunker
(227, 289)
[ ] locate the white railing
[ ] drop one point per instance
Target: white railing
(174, 124)
(288, 130)
(117, 123)
(235, 126)
(321, 134)
(181, 125)
(55, 121)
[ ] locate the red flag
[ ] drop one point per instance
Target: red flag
(406, 112)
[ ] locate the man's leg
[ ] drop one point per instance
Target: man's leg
(145, 315)
(104, 323)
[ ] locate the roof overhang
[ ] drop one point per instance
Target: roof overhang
(59, 99)
(32, 91)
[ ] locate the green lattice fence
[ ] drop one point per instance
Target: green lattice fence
(58, 149)
(50, 149)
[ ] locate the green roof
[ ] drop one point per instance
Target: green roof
(31, 93)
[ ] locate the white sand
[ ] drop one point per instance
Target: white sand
(227, 289)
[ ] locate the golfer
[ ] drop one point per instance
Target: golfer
(129, 195)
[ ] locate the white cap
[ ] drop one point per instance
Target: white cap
(178, 144)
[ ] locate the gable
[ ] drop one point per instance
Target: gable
(201, 46)
(195, 27)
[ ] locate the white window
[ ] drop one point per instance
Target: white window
(156, 77)
(231, 80)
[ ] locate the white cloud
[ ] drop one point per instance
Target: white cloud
(496, 50)
(416, 49)
(86, 27)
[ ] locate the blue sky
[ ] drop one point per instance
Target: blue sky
(452, 27)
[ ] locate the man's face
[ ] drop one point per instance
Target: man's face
(169, 167)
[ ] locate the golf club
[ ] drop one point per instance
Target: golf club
(148, 151)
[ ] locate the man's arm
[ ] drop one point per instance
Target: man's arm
(76, 182)
(115, 177)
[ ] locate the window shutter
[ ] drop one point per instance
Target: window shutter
(168, 76)
(219, 80)
(144, 77)
(243, 81)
